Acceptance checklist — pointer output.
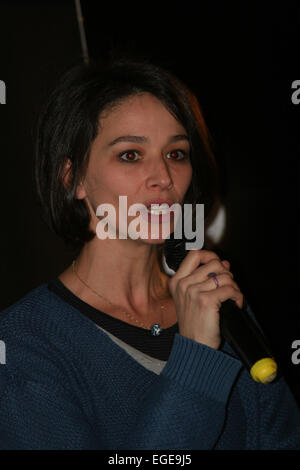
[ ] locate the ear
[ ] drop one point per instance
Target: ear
(66, 178)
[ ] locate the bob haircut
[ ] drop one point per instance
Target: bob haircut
(68, 125)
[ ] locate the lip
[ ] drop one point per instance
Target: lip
(159, 201)
(161, 218)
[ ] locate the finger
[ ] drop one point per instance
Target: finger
(192, 260)
(223, 279)
(202, 273)
(226, 264)
(217, 296)
(214, 266)
(229, 292)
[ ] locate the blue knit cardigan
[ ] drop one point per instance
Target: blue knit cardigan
(66, 385)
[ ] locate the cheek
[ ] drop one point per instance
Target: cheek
(186, 178)
(102, 181)
(121, 185)
(190, 174)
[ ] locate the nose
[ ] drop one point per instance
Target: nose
(159, 175)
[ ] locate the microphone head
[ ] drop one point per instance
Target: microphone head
(174, 253)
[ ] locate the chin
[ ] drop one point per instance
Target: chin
(157, 237)
(158, 241)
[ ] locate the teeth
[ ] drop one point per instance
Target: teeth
(159, 210)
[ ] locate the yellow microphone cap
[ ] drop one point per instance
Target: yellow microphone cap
(264, 370)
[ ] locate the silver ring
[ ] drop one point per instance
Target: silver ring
(214, 277)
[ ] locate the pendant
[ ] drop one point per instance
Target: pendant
(156, 329)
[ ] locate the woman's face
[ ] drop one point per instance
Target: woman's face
(141, 152)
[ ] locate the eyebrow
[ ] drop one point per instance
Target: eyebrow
(142, 139)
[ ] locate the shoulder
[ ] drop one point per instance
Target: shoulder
(41, 310)
(37, 300)
(36, 314)
(44, 337)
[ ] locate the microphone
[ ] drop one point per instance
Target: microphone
(236, 325)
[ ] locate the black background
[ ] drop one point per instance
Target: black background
(240, 58)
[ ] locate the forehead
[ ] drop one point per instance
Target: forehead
(139, 112)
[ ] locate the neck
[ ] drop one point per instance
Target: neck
(126, 272)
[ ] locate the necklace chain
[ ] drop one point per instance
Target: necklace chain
(148, 327)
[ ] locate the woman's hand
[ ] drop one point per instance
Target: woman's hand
(197, 298)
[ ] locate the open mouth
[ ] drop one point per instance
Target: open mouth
(159, 213)
(156, 209)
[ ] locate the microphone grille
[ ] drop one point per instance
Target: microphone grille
(174, 252)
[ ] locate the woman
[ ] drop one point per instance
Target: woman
(115, 354)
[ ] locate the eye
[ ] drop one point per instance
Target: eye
(177, 154)
(130, 156)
